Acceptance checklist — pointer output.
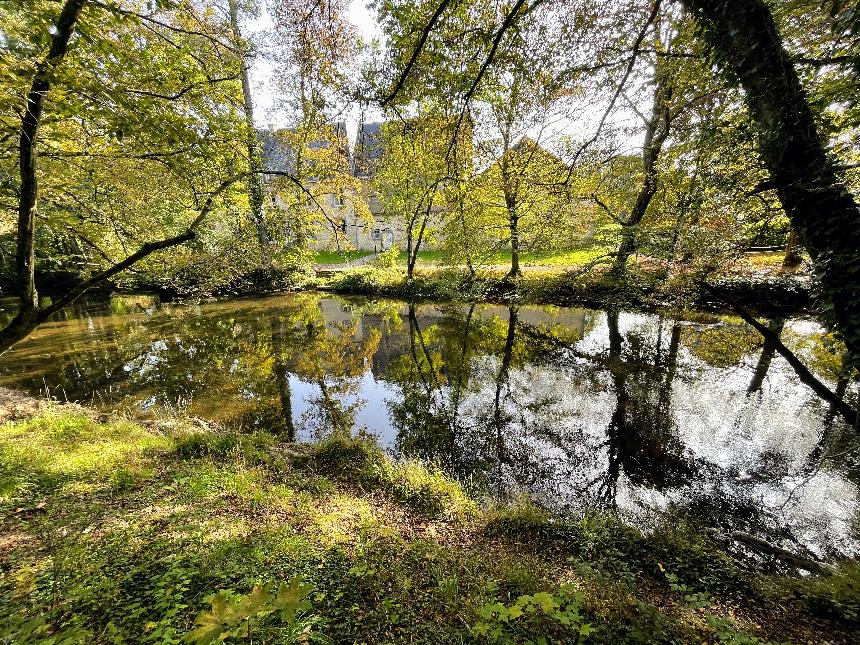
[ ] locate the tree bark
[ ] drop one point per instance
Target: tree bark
(514, 224)
(792, 258)
(824, 214)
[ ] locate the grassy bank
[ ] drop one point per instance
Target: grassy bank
(641, 289)
(113, 532)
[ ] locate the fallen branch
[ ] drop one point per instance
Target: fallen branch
(795, 559)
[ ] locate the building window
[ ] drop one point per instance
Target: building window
(376, 235)
(343, 226)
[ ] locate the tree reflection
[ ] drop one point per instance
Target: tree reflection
(767, 353)
(432, 376)
(547, 401)
(641, 437)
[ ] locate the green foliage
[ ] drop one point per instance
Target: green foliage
(835, 596)
(373, 550)
(243, 617)
(694, 599)
(387, 259)
(725, 632)
(501, 623)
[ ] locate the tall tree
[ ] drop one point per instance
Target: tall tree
(411, 175)
(822, 211)
(146, 98)
(256, 186)
(657, 127)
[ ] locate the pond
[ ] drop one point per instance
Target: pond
(577, 409)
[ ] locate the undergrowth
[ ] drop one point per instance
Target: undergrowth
(115, 533)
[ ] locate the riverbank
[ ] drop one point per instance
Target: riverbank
(563, 279)
(113, 531)
(765, 293)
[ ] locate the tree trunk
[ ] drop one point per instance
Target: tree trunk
(822, 211)
(414, 248)
(514, 223)
(25, 258)
(256, 185)
(792, 258)
(656, 132)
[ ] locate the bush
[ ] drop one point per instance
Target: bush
(387, 259)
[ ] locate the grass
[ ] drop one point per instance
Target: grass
(113, 532)
(432, 258)
(547, 259)
(339, 257)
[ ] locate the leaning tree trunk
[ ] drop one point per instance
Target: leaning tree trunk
(256, 186)
(824, 214)
(25, 259)
(656, 132)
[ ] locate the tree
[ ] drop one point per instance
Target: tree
(411, 175)
(315, 46)
(822, 211)
(657, 127)
(145, 99)
(745, 38)
(256, 186)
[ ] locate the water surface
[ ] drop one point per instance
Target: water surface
(574, 408)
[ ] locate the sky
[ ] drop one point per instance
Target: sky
(265, 114)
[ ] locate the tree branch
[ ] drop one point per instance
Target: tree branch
(178, 95)
(416, 52)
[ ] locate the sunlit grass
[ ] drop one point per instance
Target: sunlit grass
(561, 258)
(139, 528)
(57, 450)
(339, 257)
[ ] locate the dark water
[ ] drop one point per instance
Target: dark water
(575, 408)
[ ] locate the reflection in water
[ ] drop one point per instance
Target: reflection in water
(576, 408)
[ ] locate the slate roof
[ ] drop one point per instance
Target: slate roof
(367, 150)
(278, 155)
